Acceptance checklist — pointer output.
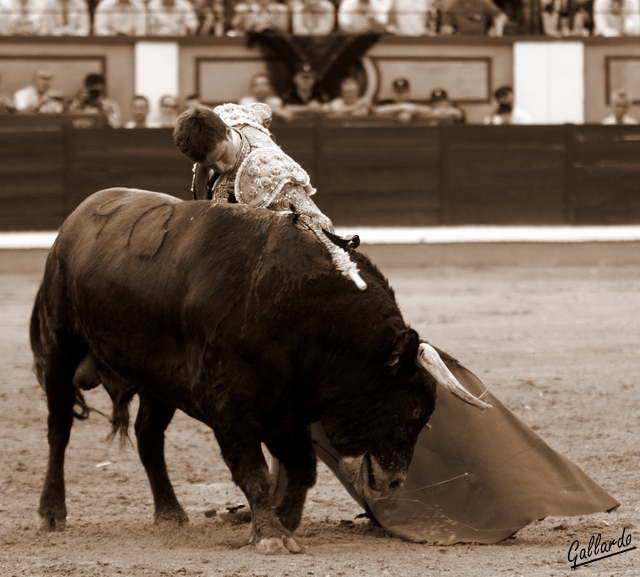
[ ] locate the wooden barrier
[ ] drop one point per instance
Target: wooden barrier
(367, 172)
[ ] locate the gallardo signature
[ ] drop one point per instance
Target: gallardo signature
(597, 549)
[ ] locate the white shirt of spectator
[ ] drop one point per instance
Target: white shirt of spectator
(21, 17)
(607, 23)
(516, 116)
(177, 19)
(312, 17)
(410, 17)
(358, 16)
(29, 98)
(625, 120)
(120, 18)
(65, 18)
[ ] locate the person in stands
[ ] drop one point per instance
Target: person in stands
(92, 100)
(39, 96)
(621, 101)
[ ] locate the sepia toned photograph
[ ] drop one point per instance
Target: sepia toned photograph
(331, 288)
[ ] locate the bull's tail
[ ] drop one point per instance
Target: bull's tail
(81, 410)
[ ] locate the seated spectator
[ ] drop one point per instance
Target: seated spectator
(443, 110)
(262, 91)
(91, 100)
(413, 18)
(363, 16)
(349, 103)
(211, 17)
(312, 17)
(192, 101)
(120, 18)
(21, 17)
(171, 18)
(564, 18)
(139, 112)
(65, 18)
(6, 104)
(616, 17)
(621, 102)
(260, 16)
(167, 114)
(306, 96)
(472, 17)
(505, 112)
(400, 105)
(39, 97)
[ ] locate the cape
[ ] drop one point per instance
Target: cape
(475, 476)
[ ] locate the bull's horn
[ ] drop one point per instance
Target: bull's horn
(430, 360)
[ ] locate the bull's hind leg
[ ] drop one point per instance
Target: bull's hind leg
(152, 421)
(56, 372)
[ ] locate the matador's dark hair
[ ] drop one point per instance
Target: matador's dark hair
(198, 131)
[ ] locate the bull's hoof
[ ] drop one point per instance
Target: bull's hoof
(173, 516)
(276, 545)
(50, 523)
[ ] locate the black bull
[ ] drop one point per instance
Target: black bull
(238, 318)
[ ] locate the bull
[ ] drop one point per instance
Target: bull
(239, 318)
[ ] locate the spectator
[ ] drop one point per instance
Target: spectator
(167, 112)
(444, 110)
(260, 16)
(211, 17)
(349, 103)
(312, 17)
(306, 92)
(262, 91)
(564, 18)
(192, 101)
(171, 18)
(120, 18)
(413, 18)
(505, 112)
(616, 17)
(473, 17)
(21, 17)
(6, 104)
(65, 18)
(139, 112)
(91, 100)
(39, 97)
(621, 102)
(400, 105)
(363, 16)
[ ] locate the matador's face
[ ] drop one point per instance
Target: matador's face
(223, 157)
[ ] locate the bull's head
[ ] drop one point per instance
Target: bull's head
(376, 447)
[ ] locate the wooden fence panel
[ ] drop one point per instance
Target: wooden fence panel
(503, 174)
(137, 158)
(32, 184)
(605, 174)
(378, 173)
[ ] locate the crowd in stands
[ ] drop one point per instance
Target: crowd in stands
(317, 17)
(305, 99)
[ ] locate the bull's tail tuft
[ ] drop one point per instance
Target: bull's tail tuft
(120, 417)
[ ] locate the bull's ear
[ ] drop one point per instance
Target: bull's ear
(404, 351)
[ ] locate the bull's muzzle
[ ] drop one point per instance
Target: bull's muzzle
(368, 477)
(429, 359)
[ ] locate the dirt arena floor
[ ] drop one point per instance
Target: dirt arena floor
(555, 329)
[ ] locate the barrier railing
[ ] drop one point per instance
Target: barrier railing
(367, 172)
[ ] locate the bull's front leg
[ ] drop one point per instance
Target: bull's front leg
(241, 450)
(296, 476)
